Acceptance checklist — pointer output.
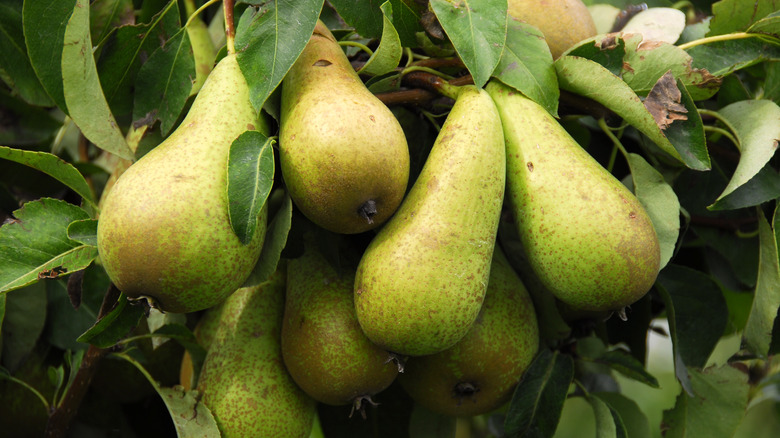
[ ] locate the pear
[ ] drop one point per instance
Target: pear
(244, 382)
(587, 237)
(421, 281)
(343, 154)
(164, 231)
(480, 372)
(562, 22)
(203, 49)
(324, 348)
(204, 333)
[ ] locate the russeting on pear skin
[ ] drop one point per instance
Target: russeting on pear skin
(587, 237)
(164, 231)
(324, 348)
(421, 281)
(342, 152)
(479, 373)
(244, 382)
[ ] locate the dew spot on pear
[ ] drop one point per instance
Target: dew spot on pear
(632, 215)
(372, 118)
(322, 63)
(530, 166)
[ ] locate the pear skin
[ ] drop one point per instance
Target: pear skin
(243, 381)
(480, 372)
(324, 348)
(421, 281)
(342, 152)
(587, 237)
(164, 231)
(562, 22)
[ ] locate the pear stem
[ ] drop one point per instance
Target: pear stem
(615, 141)
(230, 29)
(194, 13)
(714, 39)
(360, 46)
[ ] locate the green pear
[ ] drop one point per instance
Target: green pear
(562, 22)
(324, 348)
(342, 152)
(421, 281)
(164, 231)
(586, 236)
(244, 381)
(480, 372)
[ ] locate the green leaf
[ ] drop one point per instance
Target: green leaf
(44, 24)
(608, 50)
(769, 25)
(756, 124)
(87, 105)
(184, 336)
(538, 400)
(527, 66)
(83, 231)
(633, 418)
(766, 301)
(25, 316)
(723, 57)
(697, 315)
(53, 166)
(772, 81)
(406, 20)
(250, 178)
(660, 202)
(269, 40)
(627, 365)
(388, 54)
(477, 30)
(737, 15)
(31, 125)
(115, 325)
(108, 14)
(35, 245)
(365, 16)
(608, 422)
(274, 243)
(14, 62)
(164, 83)
(721, 396)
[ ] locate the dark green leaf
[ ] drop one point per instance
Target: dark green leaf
(115, 325)
(87, 105)
(53, 166)
(772, 81)
(65, 323)
(687, 134)
(269, 40)
(83, 231)
(364, 15)
(608, 51)
(24, 124)
(763, 187)
(44, 32)
(723, 57)
(608, 421)
(14, 62)
(406, 20)
(274, 243)
(627, 365)
(766, 301)
(716, 409)
(737, 15)
(107, 14)
(25, 316)
(164, 83)
(250, 178)
(769, 25)
(632, 417)
(527, 66)
(538, 400)
(388, 54)
(477, 30)
(35, 245)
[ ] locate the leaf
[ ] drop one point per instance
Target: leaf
(108, 14)
(164, 83)
(250, 176)
(184, 336)
(627, 365)
(53, 166)
(660, 202)
(527, 66)
(697, 315)
(388, 54)
(364, 15)
(721, 396)
(35, 244)
(591, 80)
(44, 24)
(269, 40)
(756, 124)
(477, 30)
(274, 243)
(663, 102)
(769, 25)
(657, 24)
(115, 325)
(25, 124)
(406, 20)
(607, 50)
(84, 98)
(737, 15)
(14, 63)
(766, 301)
(83, 231)
(633, 418)
(538, 400)
(25, 316)
(608, 422)
(723, 57)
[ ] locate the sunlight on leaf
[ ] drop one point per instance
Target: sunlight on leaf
(758, 331)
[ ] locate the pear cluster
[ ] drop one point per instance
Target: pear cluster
(431, 302)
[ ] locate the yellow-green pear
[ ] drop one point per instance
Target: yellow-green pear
(421, 281)
(164, 231)
(562, 22)
(587, 237)
(480, 372)
(244, 382)
(342, 152)
(324, 348)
